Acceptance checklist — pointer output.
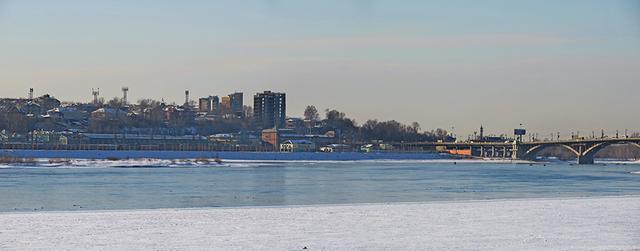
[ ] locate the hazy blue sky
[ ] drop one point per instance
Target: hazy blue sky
(552, 65)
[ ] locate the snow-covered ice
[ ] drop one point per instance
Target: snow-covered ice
(231, 155)
(604, 223)
(211, 162)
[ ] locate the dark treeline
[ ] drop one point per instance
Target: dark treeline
(390, 130)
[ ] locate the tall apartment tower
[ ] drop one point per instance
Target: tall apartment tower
(269, 109)
(204, 105)
(237, 104)
(215, 104)
(225, 105)
(209, 104)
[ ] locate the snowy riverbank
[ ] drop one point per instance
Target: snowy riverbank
(168, 155)
(212, 162)
(605, 223)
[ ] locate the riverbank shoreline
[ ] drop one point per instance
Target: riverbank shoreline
(595, 223)
(231, 155)
(9, 156)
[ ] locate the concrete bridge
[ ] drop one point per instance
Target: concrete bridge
(584, 149)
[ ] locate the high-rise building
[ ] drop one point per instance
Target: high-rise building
(204, 105)
(269, 109)
(237, 104)
(209, 104)
(225, 105)
(215, 104)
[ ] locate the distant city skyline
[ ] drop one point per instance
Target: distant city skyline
(552, 66)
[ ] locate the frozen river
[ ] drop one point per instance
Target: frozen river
(97, 185)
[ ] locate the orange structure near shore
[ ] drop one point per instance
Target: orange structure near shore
(466, 152)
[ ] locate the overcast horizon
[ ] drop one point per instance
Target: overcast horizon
(552, 66)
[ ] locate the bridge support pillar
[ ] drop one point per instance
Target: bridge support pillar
(585, 160)
(516, 151)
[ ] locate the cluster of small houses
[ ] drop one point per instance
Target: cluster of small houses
(51, 114)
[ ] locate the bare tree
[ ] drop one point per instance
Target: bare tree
(415, 127)
(248, 111)
(116, 103)
(144, 104)
(333, 115)
(440, 133)
(311, 113)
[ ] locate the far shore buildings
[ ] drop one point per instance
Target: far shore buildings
(226, 106)
(274, 138)
(265, 126)
(298, 145)
(32, 106)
